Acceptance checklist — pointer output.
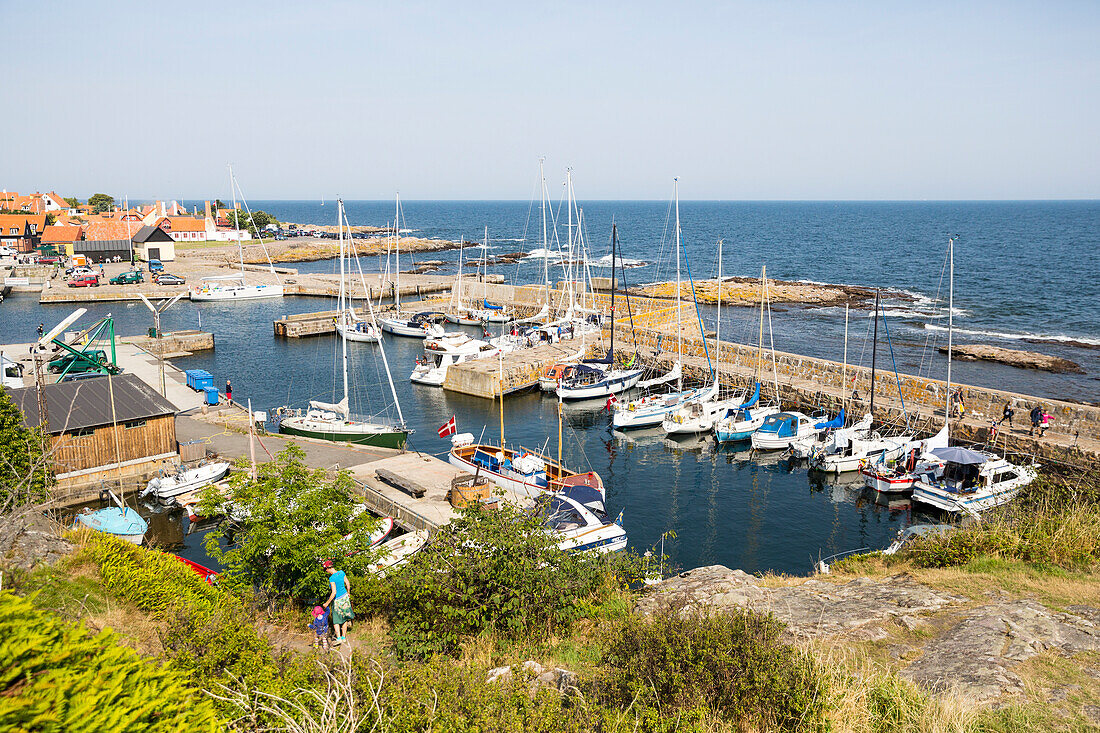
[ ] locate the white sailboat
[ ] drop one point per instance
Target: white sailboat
(332, 421)
(651, 410)
(236, 287)
(418, 325)
(699, 415)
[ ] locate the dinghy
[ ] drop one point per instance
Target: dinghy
(121, 521)
(183, 481)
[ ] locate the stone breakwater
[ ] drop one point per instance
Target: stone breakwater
(309, 249)
(745, 291)
(940, 641)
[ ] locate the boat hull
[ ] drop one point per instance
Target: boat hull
(371, 336)
(247, 292)
(380, 439)
(613, 384)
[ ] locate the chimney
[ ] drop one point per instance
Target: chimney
(161, 205)
(238, 206)
(206, 208)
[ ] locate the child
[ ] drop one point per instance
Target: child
(1046, 421)
(320, 627)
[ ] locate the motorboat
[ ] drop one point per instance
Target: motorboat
(552, 374)
(972, 481)
(914, 533)
(806, 446)
(901, 473)
(440, 354)
(589, 382)
(120, 521)
(419, 325)
(185, 480)
(577, 518)
(783, 428)
(525, 472)
(397, 551)
(699, 416)
(740, 423)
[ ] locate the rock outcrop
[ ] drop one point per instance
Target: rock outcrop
(975, 653)
(1013, 357)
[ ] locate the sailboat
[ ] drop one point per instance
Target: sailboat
(236, 287)
(651, 410)
(739, 423)
(847, 449)
(418, 325)
(699, 415)
(332, 421)
(601, 378)
(527, 473)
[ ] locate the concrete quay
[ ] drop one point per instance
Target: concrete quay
(484, 377)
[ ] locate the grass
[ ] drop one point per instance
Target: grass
(1059, 689)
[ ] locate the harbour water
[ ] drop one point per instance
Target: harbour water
(1029, 268)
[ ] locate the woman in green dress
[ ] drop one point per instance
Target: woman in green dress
(339, 600)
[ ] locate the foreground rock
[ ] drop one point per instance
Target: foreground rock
(974, 654)
(538, 676)
(28, 537)
(1014, 357)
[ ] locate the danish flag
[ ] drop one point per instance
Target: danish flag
(449, 428)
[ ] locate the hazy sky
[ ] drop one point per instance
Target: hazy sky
(742, 100)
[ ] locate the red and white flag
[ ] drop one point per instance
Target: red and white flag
(449, 428)
(611, 402)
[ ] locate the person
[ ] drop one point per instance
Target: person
(958, 403)
(228, 391)
(339, 600)
(1036, 418)
(41, 329)
(319, 624)
(1045, 422)
(1007, 413)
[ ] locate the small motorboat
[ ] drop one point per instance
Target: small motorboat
(576, 516)
(166, 487)
(972, 481)
(121, 521)
(208, 575)
(397, 551)
(778, 431)
(440, 354)
(699, 416)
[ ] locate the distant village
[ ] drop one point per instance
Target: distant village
(47, 225)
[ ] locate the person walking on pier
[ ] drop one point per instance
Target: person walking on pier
(41, 329)
(1007, 413)
(1036, 418)
(339, 600)
(228, 391)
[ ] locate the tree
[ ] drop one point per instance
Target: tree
(72, 201)
(51, 218)
(25, 475)
(259, 220)
(101, 202)
(296, 518)
(218, 204)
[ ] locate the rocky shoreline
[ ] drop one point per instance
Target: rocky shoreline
(745, 291)
(1014, 357)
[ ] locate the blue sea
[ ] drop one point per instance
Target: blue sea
(1027, 275)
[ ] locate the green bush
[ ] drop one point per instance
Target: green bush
(55, 676)
(490, 569)
(731, 664)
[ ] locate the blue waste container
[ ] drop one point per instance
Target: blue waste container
(199, 379)
(211, 395)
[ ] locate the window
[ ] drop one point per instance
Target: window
(82, 433)
(134, 424)
(14, 230)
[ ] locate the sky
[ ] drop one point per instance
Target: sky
(775, 99)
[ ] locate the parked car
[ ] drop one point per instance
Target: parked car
(7, 252)
(167, 278)
(84, 281)
(78, 271)
(128, 278)
(156, 266)
(49, 260)
(58, 365)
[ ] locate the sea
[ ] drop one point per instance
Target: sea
(1027, 276)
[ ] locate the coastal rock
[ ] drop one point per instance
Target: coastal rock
(745, 291)
(815, 609)
(541, 678)
(976, 656)
(1014, 357)
(28, 538)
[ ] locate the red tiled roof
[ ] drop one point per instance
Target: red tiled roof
(184, 224)
(55, 233)
(7, 221)
(103, 230)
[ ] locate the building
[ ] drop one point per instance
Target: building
(93, 441)
(35, 203)
(58, 239)
(106, 239)
(153, 243)
(22, 232)
(185, 228)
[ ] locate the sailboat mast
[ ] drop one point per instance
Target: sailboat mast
(760, 340)
(614, 242)
(545, 244)
(679, 320)
(874, 355)
(236, 217)
(500, 357)
(397, 251)
(343, 334)
(718, 331)
(950, 325)
(569, 229)
(844, 373)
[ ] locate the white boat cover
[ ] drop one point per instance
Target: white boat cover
(340, 407)
(672, 376)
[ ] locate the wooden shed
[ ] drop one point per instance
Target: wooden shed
(99, 426)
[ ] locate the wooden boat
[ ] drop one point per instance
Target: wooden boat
(522, 471)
